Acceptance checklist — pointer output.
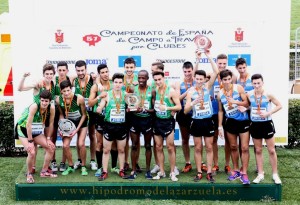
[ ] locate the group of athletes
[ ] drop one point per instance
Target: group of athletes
(206, 106)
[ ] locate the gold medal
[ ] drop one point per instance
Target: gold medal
(117, 101)
(67, 106)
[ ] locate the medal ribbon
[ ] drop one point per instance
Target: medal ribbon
(43, 115)
(83, 88)
(143, 96)
(117, 101)
(162, 94)
(228, 93)
(67, 107)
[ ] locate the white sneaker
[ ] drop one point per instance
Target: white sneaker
(155, 169)
(276, 179)
(258, 179)
(54, 167)
(176, 171)
(173, 177)
(159, 175)
(77, 165)
(93, 165)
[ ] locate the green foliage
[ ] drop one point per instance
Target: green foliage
(7, 140)
(294, 123)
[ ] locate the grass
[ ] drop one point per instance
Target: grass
(295, 18)
(12, 170)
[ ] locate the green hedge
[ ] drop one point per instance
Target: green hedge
(7, 139)
(294, 123)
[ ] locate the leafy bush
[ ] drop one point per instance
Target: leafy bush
(294, 123)
(7, 140)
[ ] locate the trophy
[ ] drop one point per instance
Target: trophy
(66, 126)
(132, 100)
(203, 43)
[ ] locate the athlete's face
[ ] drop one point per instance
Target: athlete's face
(66, 92)
(200, 80)
(159, 80)
(142, 79)
(154, 68)
(242, 69)
(104, 74)
(257, 83)
(188, 73)
(221, 63)
(129, 69)
(48, 75)
(81, 72)
(62, 71)
(118, 83)
(227, 80)
(44, 103)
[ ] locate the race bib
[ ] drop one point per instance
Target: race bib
(74, 115)
(216, 91)
(255, 115)
(158, 111)
(37, 128)
(117, 116)
(202, 112)
(86, 101)
(231, 111)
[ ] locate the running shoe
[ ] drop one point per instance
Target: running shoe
(138, 168)
(47, 174)
(234, 175)
(84, 171)
(77, 165)
(155, 169)
(215, 168)
(122, 173)
(54, 167)
(115, 170)
(210, 178)
(203, 167)
(198, 177)
(227, 169)
(148, 175)
(33, 170)
(259, 178)
(68, 171)
(98, 172)
(173, 177)
(103, 176)
(176, 171)
(126, 166)
(132, 176)
(244, 179)
(276, 179)
(159, 176)
(62, 167)
(187, 168)
(93, 165)
(29, 179)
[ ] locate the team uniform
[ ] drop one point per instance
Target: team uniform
(114, 121)
(85, 92)
(164, 122)
(236, 122)
(142, 122)
(202, 123)
(74, 113)
(260, 128)
(247, 85)
(37, 125)
(184, 119)
(128, 85)
(214, 101)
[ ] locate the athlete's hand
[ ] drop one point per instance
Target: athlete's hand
(139, 109)
(73, 133)
(103, 94)
(264, 114)
(231, 100)
(26, 74)
(94, 76)
(221, 132)
(30, 147)
(242, 108)
(196, 101)
(198, 54)
(162, 108)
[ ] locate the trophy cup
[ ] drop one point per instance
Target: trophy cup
(133, 101)
(66, 126)
(203, 43)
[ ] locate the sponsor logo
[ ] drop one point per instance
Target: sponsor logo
(96, 61)
(59, 36)
(239, 34)
(167, 73)
(233, 57)
(138, 60)
(171, 60)
(91, 39)
(54, 62)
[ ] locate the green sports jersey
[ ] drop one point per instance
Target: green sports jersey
(166, 101)
(36, 98)
(84, 91)
(74, 112)
(153, 86)
(112, 114)
(38, 118)
(127, 85)
(98, 93)
(57, 88)
(145, 99)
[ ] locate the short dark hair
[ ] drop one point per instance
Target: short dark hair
(129, 61)
(100, 67)
(222, 56)
(48, 66)
(158, 73)
(257, 76)
(200, 72)
(159, 65)
(46, 94)
(80, 63)
(240, 61)
(225, 73)
(187, 64)
(64, 84)
(144, 71)
(118, 76)
(62, 63)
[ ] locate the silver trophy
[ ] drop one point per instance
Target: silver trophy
(66, 127)
(132, 100)
(203, 43)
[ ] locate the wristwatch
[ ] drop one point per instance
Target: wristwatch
(30, 141)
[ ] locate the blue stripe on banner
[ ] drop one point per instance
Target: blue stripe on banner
(138, 60)
(233, 57)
